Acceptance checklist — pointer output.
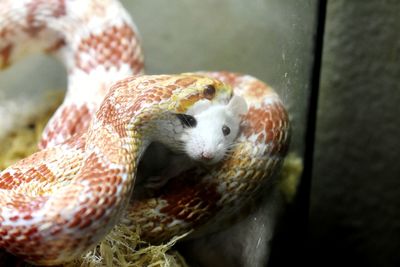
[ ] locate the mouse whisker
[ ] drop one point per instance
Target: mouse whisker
(232, 146)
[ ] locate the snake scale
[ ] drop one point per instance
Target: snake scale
(62, 200)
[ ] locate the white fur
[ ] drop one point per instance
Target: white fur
(206, 142)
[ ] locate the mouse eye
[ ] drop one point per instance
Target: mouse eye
(187, 120)
(226, 130)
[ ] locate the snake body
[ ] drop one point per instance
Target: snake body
(62, 200)
(95, 39)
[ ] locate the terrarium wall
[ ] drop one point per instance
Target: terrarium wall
(355, 200)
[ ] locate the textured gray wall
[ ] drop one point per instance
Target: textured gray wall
(355, 201)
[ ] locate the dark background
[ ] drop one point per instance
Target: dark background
(354, 211)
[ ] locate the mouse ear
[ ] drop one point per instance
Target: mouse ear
(238, 105)
(199, 106)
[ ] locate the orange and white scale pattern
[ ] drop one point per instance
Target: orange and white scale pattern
(205, 198)
(60, 201)
(95, 39)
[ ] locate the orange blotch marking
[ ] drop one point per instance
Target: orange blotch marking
(100, 213)
(89, 213)
(85, 224)
(186, 103)
(56, 230)
(229, 78)
(34, 24)
(5, 54)
(108, 50)
(74, 222)
(5, 32)
(185, 195)
(27, 217)
(258, 89)
(60, 10)
(14, 218)
(266, 119)
(72, 120)
(186, 81)
(56, 46)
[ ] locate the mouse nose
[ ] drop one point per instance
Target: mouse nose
(207, 156)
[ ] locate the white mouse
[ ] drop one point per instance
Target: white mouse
(212, 129)
(208, 132)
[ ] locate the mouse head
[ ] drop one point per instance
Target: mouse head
(211, 128)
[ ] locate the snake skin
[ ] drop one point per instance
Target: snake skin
(62, 200)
